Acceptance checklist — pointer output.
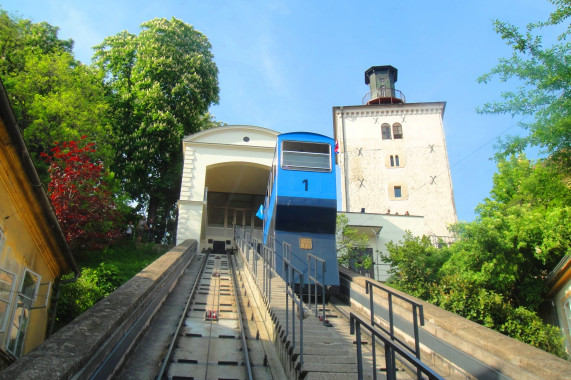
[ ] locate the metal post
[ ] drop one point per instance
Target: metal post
(371, 304)
(272, 255)
(300, 322)
(416, 338)
(323, 270)
(359, 353)
(374, 358)
(286, 278)
(316, 282)
(264, 272)
(392, 329)
(389, 354)
(292, 315)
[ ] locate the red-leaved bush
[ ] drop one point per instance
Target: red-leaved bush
(81, 196)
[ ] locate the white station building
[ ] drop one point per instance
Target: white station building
(394, 172)
(224, 181)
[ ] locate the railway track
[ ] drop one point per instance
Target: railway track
(212, 341)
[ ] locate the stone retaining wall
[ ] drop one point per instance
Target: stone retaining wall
(512, 358)
(96, 343)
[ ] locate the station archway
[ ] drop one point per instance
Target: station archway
(235, 191)
(224, 181)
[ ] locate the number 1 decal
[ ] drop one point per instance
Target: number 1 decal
(306, 182)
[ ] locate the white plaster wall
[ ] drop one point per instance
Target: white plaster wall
(393, 228)
(212, 147)
(424, 174)
(189, 220)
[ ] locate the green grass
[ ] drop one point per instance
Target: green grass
(102, 273)
(128, 256)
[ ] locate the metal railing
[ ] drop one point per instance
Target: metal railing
(311, 259)
(395, 96)
(253, 251)
(269, 259)
(289, 277)
(417, 313)
(391, 349)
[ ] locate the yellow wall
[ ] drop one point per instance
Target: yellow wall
(29, 241)
(560, 298)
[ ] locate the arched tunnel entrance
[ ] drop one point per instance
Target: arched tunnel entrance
(234, 192)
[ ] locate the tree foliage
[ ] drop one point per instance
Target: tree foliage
(545, 85)
(351, 244)
(82, 196)
(160, 84)
(55, 98)
(494, 273)
(102, 272)
(416, 264)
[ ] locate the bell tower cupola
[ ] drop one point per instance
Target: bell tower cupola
(381, 81)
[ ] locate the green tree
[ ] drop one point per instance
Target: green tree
(55, 98)
(415, 265)
(351, 245)
(545, 90)
(493, 274)
(161, 84)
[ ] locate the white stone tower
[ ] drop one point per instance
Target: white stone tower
(392, 156)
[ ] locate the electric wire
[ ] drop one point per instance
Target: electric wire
(456, 163)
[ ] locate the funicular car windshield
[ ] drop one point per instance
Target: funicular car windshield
(307, 156)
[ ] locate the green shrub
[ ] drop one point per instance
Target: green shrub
(527, 327)
(101, 273)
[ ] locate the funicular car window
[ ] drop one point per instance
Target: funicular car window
(310, 156)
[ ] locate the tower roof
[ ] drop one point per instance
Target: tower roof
(372, 69)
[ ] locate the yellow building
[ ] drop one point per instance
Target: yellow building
(559, 296)
(33, 250)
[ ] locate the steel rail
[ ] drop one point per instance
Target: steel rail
(240, 321)
(181, 321)
(215, 305)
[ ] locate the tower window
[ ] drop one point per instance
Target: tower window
(398, 192)
(386, 131)
(397, 131)
(394, 160)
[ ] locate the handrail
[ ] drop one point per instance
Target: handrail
(384, 93)
(314, 259)
(391, 348)
(417, 312)
(269, 259)
(267, 255)
(289, 275)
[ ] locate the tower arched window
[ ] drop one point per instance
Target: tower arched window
(386, 131)
(392, 161)
(397, 160)
(397, 131)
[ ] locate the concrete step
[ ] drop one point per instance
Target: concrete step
(319, 353)
(329, 368)
(336, 376)
(334, 359)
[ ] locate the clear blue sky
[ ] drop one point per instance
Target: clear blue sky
(284, 64)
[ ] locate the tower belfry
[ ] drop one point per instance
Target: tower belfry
(381, 81)
(393, 165)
